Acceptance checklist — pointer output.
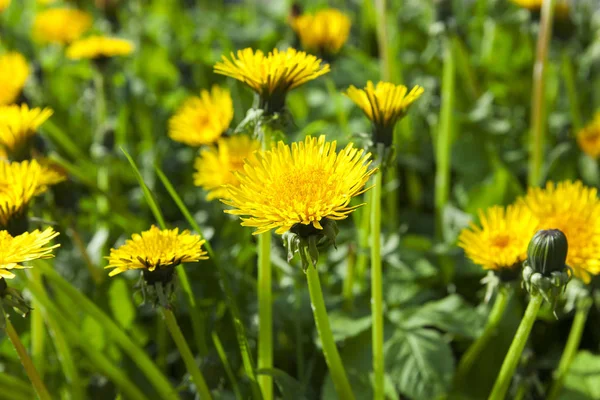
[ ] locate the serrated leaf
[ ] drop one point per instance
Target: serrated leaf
(420, 363)
(583, 379)
(121, 304)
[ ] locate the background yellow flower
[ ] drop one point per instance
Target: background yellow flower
(14, 71)
(216, 166)
(26, 247)
(4, 4)
(588, 138)
(202, 120)
(60, 25)
(99, 46)
(299, 184)
(325, 31)
(19, 123)
(575, 210)
(156, 248)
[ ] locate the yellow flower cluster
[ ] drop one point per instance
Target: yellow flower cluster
(19, 123)
(202, 120)
(29, 246)
(93, 47)
(61, 25)
(323, 32)
(14, 71)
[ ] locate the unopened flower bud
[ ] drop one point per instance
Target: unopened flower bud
(547, 251)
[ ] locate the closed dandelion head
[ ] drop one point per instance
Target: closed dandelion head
(99, 47)
(60, 25)
(324, 32)
(384, 104)
(588, 138)
(18, 124)
(499, 242)
(574, 209)
(14, 71)
(216, 166)
(202, 120)
(272, 75)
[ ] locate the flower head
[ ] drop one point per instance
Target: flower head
(588, 138)
(19, 183)
(19, 123)
(14, 71)
(272, 75)
(156, 248)
(61, 25)
(501, 241)
(4, 4)
(324, 32)
(575, 210)
(99, 47)
(299, 184)
(384, 104)
(26, 247)
(202, 120)
(216, 165)
(561, 7)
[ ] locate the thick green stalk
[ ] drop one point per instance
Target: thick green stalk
(538, 98)
(516, 349)
(265, 318)
(332, 356)
(226, 365)
(443, 145)
(382, 39)
(572, 92)
(186, 354)
(583, 308)
(32, 373)
(377, 289)
(482, 341)
(139, 356)
(38, 333)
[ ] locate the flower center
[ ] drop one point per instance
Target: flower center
(501, 240)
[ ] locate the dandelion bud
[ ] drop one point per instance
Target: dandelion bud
(547, 251)
(307, 240)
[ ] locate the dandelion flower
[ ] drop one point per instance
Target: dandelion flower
(561, 7)
(18, 124)
(304, 183)
(61, 25)
(272, 75)
(324, 32)
(575, 210)
(202, 120)
(502, 239)
(216, 165)
(29, 246)
(94, 47)
(4, 4)
(14, 71)
(384, 105)
(19, 183)
(588, 138)
(156, 248)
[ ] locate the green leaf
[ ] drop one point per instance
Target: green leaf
(121, 303)
(289, 387)
(345, 326)
(420, 363)
(583, 379)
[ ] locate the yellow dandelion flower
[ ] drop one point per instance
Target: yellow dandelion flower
(99, 47)
(561, 7)
(301, 184)
(156, 248)
(14, 71)
(502, 239)
(19, 183)
(325, 31)
(4, 4)
(384, 105)
(61, 25)
(272, 75)
(202, 120)
(575, 210)
(29, 246)
(216, 166)
(588, 138)
(18, 124)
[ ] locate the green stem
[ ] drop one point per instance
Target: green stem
(538, 99)
(38, 333)
(516, 349)
(571, 86)
(226, 365)
(377, 288)
(32, 373)
(299, 333)
(363, 244)
(186, 354)
(444, 138)
(139, 356)
(161, 345)
(348, 286)
(332, 356)
(583, 308)
(265, 319)
(490, 330)
(382, 39)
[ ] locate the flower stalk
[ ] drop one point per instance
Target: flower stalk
(265, 317)
(377, 288)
